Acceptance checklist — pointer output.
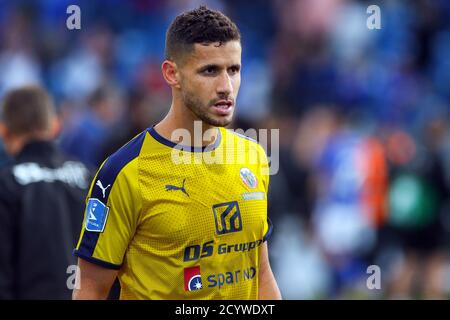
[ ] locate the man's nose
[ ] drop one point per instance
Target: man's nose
(224, 86)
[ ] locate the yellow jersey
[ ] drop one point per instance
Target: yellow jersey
(180, 222)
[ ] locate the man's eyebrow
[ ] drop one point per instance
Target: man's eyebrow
(216, 66)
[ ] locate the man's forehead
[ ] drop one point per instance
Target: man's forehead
(228, 52)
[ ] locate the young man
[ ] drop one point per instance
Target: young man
(41, 195)
(189, 230)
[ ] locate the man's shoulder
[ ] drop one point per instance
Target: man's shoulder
(245, 140)
(120, 159)
(239, 134)
(10, 188)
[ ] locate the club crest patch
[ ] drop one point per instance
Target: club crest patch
(249, 178)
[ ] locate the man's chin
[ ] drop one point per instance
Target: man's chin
(215, 120)
(221, 122)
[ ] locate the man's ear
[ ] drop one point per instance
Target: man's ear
(3, 131)
(7, 138)
(55, 127)
(170, 73)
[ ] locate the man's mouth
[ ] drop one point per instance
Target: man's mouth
(223, 107)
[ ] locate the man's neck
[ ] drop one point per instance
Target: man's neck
(201, 134)
(15, 144)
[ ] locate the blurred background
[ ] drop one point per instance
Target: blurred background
(363, 115)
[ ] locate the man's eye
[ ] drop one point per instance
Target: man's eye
(209, 71)
(234, 70)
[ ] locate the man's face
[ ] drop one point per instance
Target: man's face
(209, 81)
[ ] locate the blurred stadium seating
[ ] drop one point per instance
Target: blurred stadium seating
(364, 115)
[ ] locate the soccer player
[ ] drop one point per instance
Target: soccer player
(192, 229)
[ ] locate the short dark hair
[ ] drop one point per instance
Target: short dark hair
(27, 110)
(201, 25)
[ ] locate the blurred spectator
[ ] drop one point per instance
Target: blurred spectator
(41, 201)
(18, 63)
(143, 109)
(419, 196)
(351, 188)
(84, 138)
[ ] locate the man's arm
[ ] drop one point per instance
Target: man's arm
(93, 282)
(268, 288)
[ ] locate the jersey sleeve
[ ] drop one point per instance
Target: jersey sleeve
(113, 207)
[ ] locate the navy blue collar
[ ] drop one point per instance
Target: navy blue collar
(38, 148)
(177, 146)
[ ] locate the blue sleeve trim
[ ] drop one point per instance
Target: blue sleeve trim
(98, 262)
(114, 164)
(269, 231)
(107, 175)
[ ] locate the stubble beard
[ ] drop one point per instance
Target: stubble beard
(201, 111)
